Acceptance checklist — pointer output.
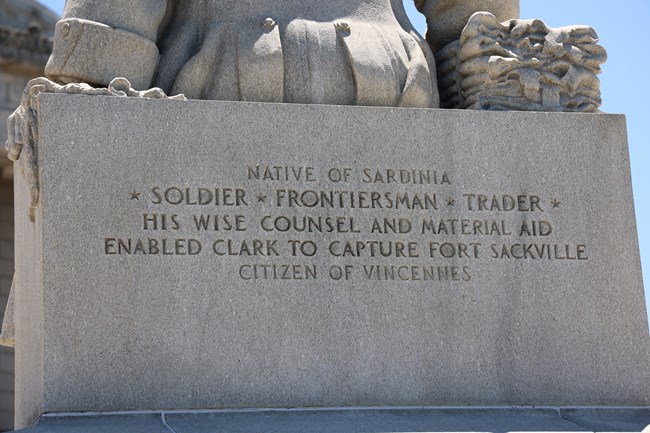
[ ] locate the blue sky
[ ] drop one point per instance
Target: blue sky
(622, 27)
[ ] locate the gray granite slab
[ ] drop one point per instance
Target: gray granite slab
(475, 319)
(361, 420)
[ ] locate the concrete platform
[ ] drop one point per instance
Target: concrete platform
(354, 420)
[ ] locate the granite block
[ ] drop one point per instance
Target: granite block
(206, 254)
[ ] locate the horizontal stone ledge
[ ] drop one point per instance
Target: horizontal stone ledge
(355, 420)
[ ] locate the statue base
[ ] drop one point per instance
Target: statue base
(193, 254)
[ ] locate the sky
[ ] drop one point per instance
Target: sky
(622, 29)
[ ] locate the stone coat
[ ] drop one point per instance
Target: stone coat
(349, 52)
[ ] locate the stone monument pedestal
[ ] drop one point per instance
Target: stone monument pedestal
(209, 255)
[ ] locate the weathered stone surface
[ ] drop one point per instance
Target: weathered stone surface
(521, 65)
(355, 420)
(510, 238)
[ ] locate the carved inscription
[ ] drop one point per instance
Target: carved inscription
(380, 224)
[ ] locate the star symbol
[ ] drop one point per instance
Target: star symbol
(451, 202)
(556, 203)
(135, 195)
(261, 198)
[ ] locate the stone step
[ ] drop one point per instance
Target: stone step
(355, 420)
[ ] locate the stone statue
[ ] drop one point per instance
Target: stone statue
(343, 52)
(521, 65)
